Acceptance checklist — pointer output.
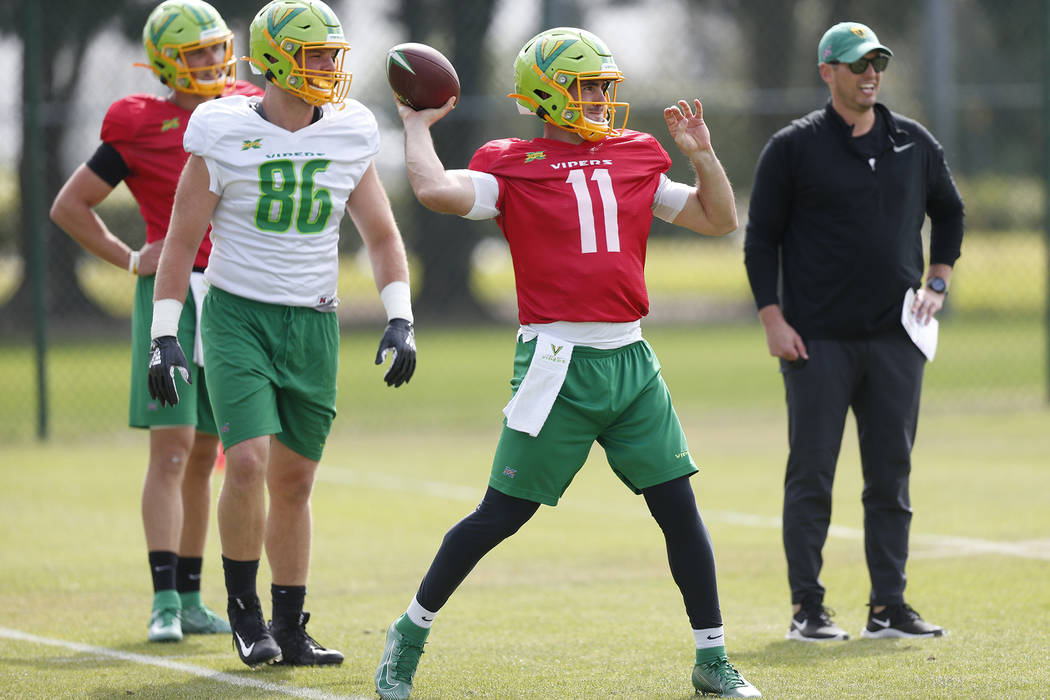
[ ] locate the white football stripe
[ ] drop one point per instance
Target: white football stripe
(209, 673)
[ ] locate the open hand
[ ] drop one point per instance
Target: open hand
(687, 127)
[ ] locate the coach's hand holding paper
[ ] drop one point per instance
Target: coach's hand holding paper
(924, 335)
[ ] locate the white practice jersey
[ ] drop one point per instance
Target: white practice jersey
(275, 231)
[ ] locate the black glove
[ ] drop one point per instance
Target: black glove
(165, 356)
(398, 337)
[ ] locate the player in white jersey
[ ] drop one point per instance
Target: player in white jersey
(273, 177)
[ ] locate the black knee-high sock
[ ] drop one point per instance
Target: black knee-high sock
(162, 567)
(689, 550)
(496, 518)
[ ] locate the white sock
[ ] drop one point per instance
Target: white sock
(420, 616)
(710, 637)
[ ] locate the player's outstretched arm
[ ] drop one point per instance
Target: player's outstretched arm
(440, 190)
(712, 211)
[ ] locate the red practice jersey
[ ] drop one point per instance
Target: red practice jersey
(146, 131)
(577, 220)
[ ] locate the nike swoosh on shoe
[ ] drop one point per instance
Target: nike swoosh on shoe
(246, 650)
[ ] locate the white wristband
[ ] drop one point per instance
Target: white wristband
(133, 263)
(397, 300)
(166, 313)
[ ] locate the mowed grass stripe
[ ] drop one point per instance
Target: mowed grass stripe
(925, 545)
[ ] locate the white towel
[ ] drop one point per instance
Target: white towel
(528, 409)
(198, 287)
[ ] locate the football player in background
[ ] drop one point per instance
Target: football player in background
(190, 49)
(274, 176)
(576, 205)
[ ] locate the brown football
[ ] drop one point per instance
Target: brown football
(420, 76)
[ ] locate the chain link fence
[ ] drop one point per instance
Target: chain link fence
(974, 71)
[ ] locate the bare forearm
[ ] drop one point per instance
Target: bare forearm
(87, 228)
(173, 271)
(436, 188)
(714, 191)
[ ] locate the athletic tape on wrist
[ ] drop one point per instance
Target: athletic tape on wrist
(397, 300)
(166, 313)
(133, 262)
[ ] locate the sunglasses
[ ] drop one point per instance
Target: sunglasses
(879, 63)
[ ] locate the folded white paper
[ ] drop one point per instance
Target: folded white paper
(924, 336)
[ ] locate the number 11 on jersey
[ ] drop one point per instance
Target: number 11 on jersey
(585, 208)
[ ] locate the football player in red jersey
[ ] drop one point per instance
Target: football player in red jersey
(575, 206)
(190, 49)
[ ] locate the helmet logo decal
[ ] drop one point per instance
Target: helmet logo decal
(543, 63)
(169, 124)
(158, 32)
(535, 155)
(200, 18)
(275, 25)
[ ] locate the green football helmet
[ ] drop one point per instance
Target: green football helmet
(280, 35)
(174, 31)
(547, 68)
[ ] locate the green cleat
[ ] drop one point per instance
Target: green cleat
(165, 622)
(397, 667)
(198, 618)
(718, 677)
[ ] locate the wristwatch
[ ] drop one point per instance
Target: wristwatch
(937, 284)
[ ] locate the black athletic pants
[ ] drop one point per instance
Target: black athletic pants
(499, 516)
(881, 380)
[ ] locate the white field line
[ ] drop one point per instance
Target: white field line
(210, 674)
(923, 546)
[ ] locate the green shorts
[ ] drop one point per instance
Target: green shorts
(271, 371)
(193, 407)
(615, 397)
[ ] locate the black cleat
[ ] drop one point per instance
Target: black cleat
(251, 638)
(297, 647)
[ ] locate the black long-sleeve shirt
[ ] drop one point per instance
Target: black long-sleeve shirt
(834, 226)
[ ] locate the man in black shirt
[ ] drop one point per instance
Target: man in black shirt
(833, 244)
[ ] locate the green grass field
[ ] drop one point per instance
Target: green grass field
(578, 604)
